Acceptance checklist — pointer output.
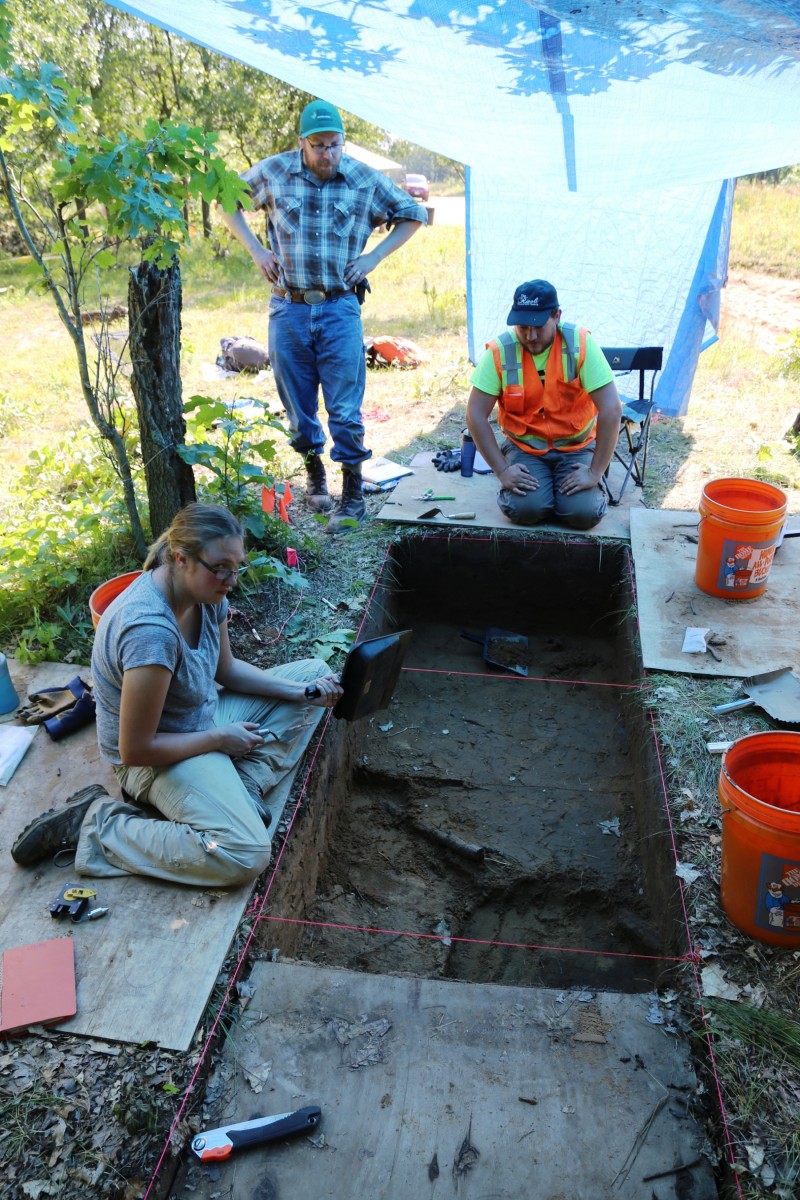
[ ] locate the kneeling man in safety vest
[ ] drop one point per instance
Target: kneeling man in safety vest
(558, 410)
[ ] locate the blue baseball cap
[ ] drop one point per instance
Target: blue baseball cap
(533, 304)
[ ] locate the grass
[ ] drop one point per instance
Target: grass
(764, 235)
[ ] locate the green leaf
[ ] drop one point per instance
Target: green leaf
(338, 639)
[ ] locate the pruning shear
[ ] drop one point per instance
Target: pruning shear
(428, 495)
(215, 1144)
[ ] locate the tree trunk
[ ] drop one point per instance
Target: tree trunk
(154, 311)
(206, 210)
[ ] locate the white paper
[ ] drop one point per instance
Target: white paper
(14, 741)
(694, 641)
(381, 470)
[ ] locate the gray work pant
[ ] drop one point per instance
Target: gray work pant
(209, 830)
(580, 511)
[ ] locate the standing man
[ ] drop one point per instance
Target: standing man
(558, 408)
(321, 207)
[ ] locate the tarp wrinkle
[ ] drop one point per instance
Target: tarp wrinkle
(599, 135)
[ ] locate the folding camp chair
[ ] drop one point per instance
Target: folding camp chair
(636, 410)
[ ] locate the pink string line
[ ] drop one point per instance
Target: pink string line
(693, 957)
(279, 634)
(631, 687)
(441, 937)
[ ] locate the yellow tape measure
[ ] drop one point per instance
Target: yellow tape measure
(79, 893)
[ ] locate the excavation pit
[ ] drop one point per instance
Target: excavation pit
(474, 946)
(490, 827)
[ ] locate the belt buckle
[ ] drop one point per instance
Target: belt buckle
(314, 296)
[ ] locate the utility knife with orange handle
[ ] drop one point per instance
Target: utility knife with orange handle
(214, 1144)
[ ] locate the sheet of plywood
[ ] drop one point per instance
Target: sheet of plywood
(145, 971)
(478, 494)
(434, 1087)
(753, 635)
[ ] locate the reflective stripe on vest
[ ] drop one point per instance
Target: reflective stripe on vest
(573, 341)
(519, 419)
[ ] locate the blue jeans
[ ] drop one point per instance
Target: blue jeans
(313, 346)
(580, 511)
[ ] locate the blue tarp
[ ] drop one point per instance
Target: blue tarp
(600, 136)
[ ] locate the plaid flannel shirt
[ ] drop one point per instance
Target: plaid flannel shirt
(316, 228)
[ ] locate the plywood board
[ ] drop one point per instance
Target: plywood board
(478, 494)
(144, 972)
(754, 635)
(433, 1087)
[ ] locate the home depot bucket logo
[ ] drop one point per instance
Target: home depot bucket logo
(778, 900)
(744, 566)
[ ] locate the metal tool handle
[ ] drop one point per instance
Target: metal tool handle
(733, 705)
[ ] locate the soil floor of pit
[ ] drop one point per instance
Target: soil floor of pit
(493, 808)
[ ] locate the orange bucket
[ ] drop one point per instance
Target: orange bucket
(759, 791)
(102, 596)
(740, 522)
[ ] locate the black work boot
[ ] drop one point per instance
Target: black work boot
(317, 497)
(351, 509)
(57, 829)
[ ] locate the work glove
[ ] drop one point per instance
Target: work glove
(49, 702)
(447, 460)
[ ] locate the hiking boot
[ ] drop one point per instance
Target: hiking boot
(317, 497)
(57, 829)
(351, 509)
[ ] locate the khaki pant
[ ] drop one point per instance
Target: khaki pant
(210, 831)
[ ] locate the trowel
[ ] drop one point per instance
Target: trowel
(777, 692)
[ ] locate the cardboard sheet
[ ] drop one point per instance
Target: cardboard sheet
(478, 494)
(752, 636)
(432, 1088)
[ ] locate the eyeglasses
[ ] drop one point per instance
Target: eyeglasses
(323, 148)
(223, 574)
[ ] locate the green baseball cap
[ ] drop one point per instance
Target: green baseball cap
(320, 117)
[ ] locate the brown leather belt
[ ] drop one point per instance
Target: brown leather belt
(311, 295)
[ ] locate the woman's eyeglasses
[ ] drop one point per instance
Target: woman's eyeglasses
(223, 574)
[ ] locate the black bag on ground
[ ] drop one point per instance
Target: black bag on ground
(242, 354)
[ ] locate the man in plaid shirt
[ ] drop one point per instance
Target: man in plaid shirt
(321, 207)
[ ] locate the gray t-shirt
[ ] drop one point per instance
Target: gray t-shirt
(139, 629)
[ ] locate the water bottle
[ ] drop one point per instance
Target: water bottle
(467, 454)
(9, 700)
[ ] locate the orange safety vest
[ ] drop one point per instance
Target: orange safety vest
(558, 414)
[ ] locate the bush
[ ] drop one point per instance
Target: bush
(67, 531)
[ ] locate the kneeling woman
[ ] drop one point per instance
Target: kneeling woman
(205, 759)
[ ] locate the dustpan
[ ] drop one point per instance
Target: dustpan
(369, 675)
(777, 692)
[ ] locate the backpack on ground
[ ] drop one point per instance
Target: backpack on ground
(392, 352)
(242, 354)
